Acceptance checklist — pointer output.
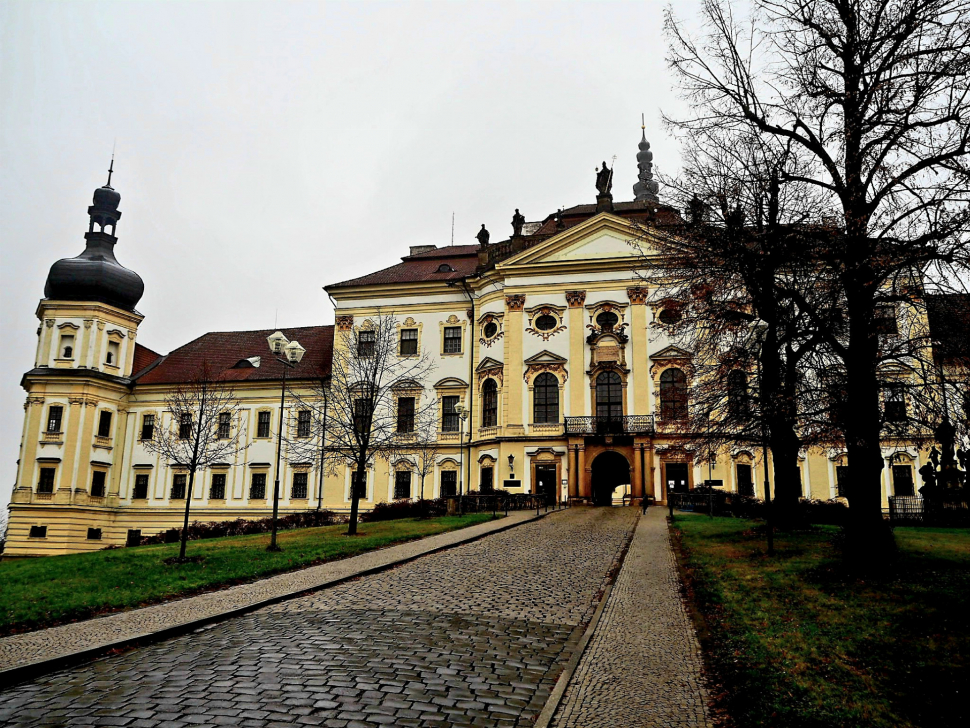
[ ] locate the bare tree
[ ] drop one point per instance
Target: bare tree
(874, 96)
(203, 428)
(371, 405)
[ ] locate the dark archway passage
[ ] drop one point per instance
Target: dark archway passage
(610, 469)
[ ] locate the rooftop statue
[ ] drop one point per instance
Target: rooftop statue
(483, 236)
(518, 220)
(604, 179)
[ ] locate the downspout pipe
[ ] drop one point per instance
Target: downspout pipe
(471, 377)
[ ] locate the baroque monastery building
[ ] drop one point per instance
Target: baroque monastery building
(548, 339)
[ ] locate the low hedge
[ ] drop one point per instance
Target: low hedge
(428, 508)
(244, 527)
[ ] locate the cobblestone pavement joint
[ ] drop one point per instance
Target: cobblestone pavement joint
(30, 654)
(475, 635)
(643, 664)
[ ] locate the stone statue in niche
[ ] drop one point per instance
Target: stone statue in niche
(518, 220)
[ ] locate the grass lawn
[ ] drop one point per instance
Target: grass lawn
(795, 640)
(45, 591)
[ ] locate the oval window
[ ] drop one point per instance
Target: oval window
(670, 316)
(490, 329)
(546, 322)
(607, 320)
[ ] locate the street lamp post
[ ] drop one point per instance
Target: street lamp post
(292, 354)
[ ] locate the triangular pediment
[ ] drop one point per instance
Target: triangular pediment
(601, 238)
(488, 363)
(671, 352)
(546, 357)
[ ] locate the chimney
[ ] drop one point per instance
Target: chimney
(418, 249)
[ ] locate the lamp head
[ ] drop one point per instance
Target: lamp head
(294, 352)
(511, 460)
(276, 342)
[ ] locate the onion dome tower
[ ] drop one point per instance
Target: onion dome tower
(646, 188)
(95, 275)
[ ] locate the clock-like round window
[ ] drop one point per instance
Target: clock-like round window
(607, 320)
(490, 329)
(670, 316)
(545, 322)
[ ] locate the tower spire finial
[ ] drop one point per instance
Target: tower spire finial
(111, 169)
(646, 188)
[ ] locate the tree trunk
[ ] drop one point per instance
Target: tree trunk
(359, 476)
(185, 522)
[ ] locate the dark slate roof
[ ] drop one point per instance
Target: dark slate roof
(223, 350)
(949, 317)
(422, 268)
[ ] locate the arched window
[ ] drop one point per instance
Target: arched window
(545, 390)
(609, 397)
(737, 386)
(489, 404)
(673, 395)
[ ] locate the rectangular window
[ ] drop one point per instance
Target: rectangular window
(405, 414)
(141, 486)
(842, 481)
(299, 485)
(147, 427)
(262, 424)
(104, 424)
(452, 339)
(224, 426)
(402, 484)
(303, 423)
(185, 426)
(895, 405)
(362, 418)
(449, 482)
(409, 342)
(257, 488)
(217, 489)
(449, 417)
(366, 342)
(94, 534)
(487, 483)
(46, 482)
(38, 532)
(97, 483)
(178, 487)
(360, 485)
(111, 357)
(884, 320)
(745, 484)
(903, 480)
(67, 346)
(54, 416)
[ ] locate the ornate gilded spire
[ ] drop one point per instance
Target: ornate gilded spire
(646, 188)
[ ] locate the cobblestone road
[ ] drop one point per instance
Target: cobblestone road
(473, 636)
(643, 665)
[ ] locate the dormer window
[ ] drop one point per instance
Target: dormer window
(445, 268)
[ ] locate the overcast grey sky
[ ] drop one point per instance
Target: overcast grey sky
(267, 149)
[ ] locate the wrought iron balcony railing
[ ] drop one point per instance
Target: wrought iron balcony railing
(626, 425)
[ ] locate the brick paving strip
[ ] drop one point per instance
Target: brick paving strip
(474, 636)
(25, 656)
(642, 666)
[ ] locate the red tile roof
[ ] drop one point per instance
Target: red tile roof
(421, 268)
(223, 350)
(143, 357)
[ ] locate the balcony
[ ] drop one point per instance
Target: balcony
(626, 425)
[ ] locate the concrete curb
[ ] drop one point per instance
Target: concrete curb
(22, 673)
(555, 697)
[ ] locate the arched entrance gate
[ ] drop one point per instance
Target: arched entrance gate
(609, 471)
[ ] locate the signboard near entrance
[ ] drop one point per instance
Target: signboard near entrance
(714, 483)
(510, 484)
